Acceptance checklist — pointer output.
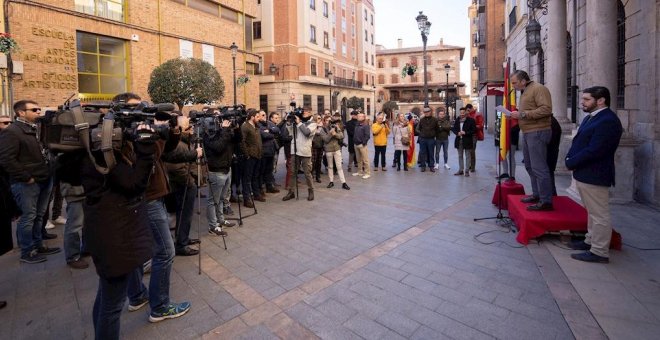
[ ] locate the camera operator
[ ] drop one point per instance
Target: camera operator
(306, 128)
(286, 136)
(158, 294)
(350, 130)
(269, 134)
(23, 159)
(251, 148)
(117, 231)
(333, 136)
(184, 187)
(219, 154)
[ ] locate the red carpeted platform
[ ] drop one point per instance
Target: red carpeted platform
(509, 187)
(568, 215)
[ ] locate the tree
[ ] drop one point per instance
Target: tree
(389, 107)
(355, 103)
(185, 81)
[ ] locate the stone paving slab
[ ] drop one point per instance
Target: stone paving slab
(394, 257)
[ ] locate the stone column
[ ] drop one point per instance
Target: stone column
(601, 45)
(556, 52)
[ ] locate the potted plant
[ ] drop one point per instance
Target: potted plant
(7, 43)
(242, 80)
(408, 70)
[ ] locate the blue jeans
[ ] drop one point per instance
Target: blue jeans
(184, 212)
(110, 298)
(444, 144)
(219, 184)
(32, 199)
(161, 264)
(426, 149)
(72, 230)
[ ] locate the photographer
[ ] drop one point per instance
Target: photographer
(303, 132)
(117, 231)
(333, 136)
(158, 294)
(317, 149)
(286, 136)
(251, 148)
(219, 152)
(269, 134)
(182, 179)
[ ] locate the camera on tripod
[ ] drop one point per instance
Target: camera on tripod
(295, 112)
(211, 118)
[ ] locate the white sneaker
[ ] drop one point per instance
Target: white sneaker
(49, 225)
(366, 176)
(357, 174)
(437, 166)
(447, 166)
(59, 220)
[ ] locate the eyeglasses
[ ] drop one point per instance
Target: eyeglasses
(34, 109)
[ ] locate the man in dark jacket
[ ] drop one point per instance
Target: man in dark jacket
(442, 137)
(24, 161)
(464, 128)
(361, 137)
(350, 131)
(184, 188)
(269, 134)
(427, 128)
(219, 152)
(591, 158)
(252, 151)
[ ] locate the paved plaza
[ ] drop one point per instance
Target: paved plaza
(395, 257)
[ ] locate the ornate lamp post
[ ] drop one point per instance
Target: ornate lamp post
(374, 105)
(329, 75)
(234, 51)
(424, 26)
(533, 29)
(447, 69)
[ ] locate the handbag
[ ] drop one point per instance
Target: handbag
(405, 140)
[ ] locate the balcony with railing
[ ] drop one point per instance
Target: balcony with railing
(338, 81)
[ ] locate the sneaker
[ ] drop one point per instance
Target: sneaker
(447, 166)
(78, 264)
(59, 220)
(345, 186)
(366, 176)
(171, 311)
(579, 245)
(384, 169)
(227, 224)
(588, 256)
(217, 231)
(49, 225)
(132, 307)
(357, 174)
(43, 250)
(33, 257)
(437, 166)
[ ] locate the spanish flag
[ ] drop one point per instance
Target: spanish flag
(507, 123)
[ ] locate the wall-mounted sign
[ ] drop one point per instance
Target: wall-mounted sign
(185, 48)
(208, 54)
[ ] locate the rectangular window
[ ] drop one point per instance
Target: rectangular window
(312, 34)
(313, 66)
(109, 9)
(366, 57)
(343, 3)
(205, 6)
(256, 29)
(372, 60)
(372, 38)
(326, 68)
(343, 24)
(307, 101)
(247, 24)
(366, 36)
(312, 4)
(320, 104)
(102, 66)
(227, 13)
(326, 40)
(394, 79)
(366, 79)
(365, 15)
(372, 20)
(252, 68)
(381, 64)
(513, 17)
(343, 49)
(325, 9)
(263, 102)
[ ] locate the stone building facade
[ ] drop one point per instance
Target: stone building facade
(610, 43)
(408, 90)
(99, 48)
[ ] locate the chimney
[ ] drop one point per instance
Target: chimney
(442, 43)
(399, 43)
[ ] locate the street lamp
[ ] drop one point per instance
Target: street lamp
(329, 75)
(533, 29)
(373, 86)
(234, 51)
(447, 69)
(424, 26)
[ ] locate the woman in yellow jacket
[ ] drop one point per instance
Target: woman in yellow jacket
(380, 129)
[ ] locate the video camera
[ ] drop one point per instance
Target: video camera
(211, 118)
(295, 112)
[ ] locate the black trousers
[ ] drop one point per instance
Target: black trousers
(379, 153)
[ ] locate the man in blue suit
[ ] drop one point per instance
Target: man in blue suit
(591, 158)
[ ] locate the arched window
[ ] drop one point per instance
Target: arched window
(394, 79)
(620, 56)
(569, 69)
(381, 79)
(541, 61)
(394, 62)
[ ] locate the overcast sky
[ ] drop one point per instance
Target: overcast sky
(449, 21)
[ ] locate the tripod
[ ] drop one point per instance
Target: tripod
(239, 192)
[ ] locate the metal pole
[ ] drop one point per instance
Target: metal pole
(426, 85)
(330, 93)
(233, 62)
(447, 96)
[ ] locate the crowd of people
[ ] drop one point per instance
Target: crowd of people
(122, 219)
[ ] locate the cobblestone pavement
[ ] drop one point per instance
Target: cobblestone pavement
(394, 257)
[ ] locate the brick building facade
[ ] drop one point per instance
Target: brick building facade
(100, 48)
